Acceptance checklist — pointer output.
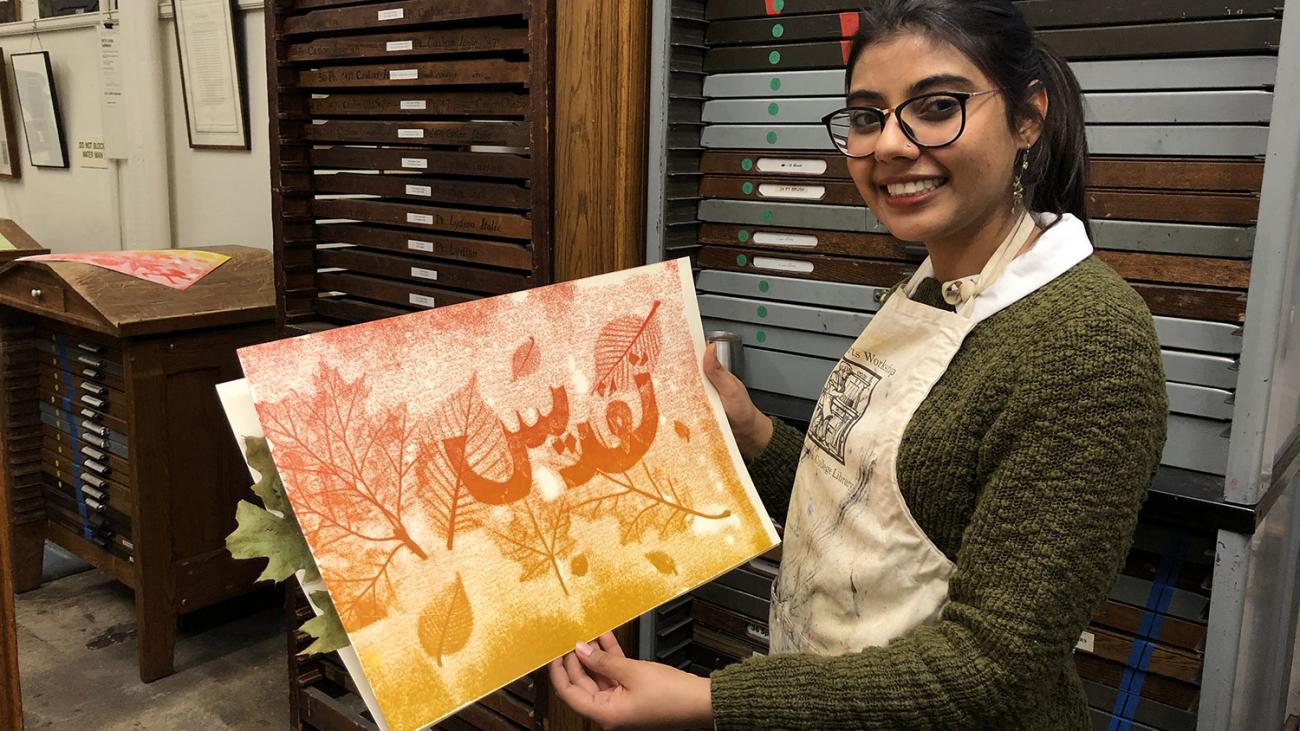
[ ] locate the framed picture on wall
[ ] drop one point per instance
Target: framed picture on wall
(10, 166)
(39, 105)
(216, 111)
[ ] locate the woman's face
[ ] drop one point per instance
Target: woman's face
(973, 175)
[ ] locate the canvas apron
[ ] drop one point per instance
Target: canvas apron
(857, 571)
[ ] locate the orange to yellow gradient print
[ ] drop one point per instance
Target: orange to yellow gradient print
(484, 485)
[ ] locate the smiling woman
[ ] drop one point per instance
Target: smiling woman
(973, 469)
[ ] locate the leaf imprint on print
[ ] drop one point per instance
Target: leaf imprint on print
(446, 623)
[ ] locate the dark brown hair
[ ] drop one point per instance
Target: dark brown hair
(994, 35)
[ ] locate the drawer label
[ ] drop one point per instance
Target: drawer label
(399, 46)
(417, 245)
(797, 192)
(783, 265)
(419, 190)
(424, 273)
(1087, 641)
(403, 74)
(417, 104)
(415, 163)
(793, 167)
(396, 14)
(422, 218)
(793, 240)
(422, 300)
(410, 134)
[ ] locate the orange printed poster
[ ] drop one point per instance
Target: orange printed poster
(484, 485)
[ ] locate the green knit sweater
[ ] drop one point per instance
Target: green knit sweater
(1026, 465)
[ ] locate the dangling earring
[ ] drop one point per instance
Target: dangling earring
(1018, 184)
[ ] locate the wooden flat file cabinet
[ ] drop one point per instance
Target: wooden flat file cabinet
(115, 445)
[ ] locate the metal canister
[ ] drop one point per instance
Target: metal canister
(731, 351)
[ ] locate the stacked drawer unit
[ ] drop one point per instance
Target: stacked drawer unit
(411, 155)
(20, 428)
(111, 425)
(20, 463)
(1176, 175)
(411, 168)
(1180, 123)
(1142, 657)
(323, 697)
(85, 459)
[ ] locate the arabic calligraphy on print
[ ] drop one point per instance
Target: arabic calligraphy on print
(484, 485)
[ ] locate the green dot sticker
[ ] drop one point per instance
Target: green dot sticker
(763, 286)
(746, 164)
(762, 311)
(760, 336)
(767, 215)
(773, 109)
(778, 30)
(771, 137)
(774, 57)
(741, 260)
(743, 236)
(747, 188)
(776, 84)
(778, 5)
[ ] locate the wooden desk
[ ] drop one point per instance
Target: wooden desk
(115, 446)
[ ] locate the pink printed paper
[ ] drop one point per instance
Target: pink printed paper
(175, 268)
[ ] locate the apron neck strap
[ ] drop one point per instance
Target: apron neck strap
(963, 292)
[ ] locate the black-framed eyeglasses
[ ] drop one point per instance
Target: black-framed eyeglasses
(929, 121)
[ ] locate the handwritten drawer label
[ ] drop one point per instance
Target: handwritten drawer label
(403, 74)
(799, 240)
(410, 134)
(414, 104)
(424, 273)
(422, 300)
(1087, 641)
(417, 245)
(783, 265)
(800, 167)
(798, 192)
(399, 46)
(419, 190)
(396, 14)
(423, 218)
(415, 163)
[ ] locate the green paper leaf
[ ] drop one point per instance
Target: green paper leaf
(262, 534)
(325, 627)
(270, 489)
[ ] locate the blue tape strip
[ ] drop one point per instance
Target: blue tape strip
(1139, 657)
(80, 497)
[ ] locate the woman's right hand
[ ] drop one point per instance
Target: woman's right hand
(751, 427)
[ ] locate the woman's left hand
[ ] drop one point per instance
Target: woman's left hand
(616, 693)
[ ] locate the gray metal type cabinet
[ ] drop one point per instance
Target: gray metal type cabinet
(1195, 199)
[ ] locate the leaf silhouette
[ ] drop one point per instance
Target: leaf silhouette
(625, 346)
(638, 508)
(325, 627)
(662, 561)
(350, 468)
(682, 430)
(578, 566)
(269, 489)
(465, 418)
(446, 623)
(538, 538)
(526, 361)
